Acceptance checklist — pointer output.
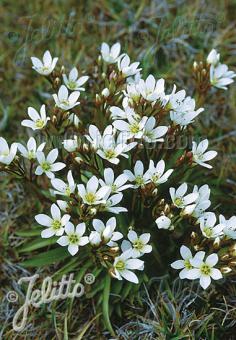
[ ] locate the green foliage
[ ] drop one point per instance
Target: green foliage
(168, 36)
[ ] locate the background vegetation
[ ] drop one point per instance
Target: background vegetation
(168, 36)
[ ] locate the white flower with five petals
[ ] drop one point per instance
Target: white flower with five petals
(31, 150)
(185, 264)
(46, 66)
(47, 164)
(199, 154)
(116, 185)
(65, 101)
(178, 196)
(139, 178)
(204, 270)
(124, 264)
(139, 244)
(74, 83)
(62, 188)
(156, 173)
(91, 195)
(55, 224)
(38, 120)
(208, 227)
(74, 237)
(110, 55)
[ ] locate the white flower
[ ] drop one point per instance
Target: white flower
(178, 198)
(132, 93)
(208, 228)
(124, 264)
(38, 120)
(204, 270)
(175, 99)
(94, 137)
(185, 264)
(132, 128)
(203, 202)
(107, 232)
(220, 76)
(111, 148)
(150, 89)
(156, 173)
(47, 165)
(63, 205)
(62, 188)
(182, 109)
(110, 55)
(70, 145)
(139, 243)
(64, 100)
(164, 222)
(126, 68)
(55, 224)
(47, 66)
(95, 238)
(152, 134)
(74, 83)
(117, 113)
(213, 57)
(229, 226)
(7, 154)
(105, 92)
(116, 185)
(74, 237)
(138, 177)
(111, 203)
(30, 151)
(200, 156)
(91, 195)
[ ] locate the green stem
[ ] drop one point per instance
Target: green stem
(105, 304)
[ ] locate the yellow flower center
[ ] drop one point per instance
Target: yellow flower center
(187, 264)
(73, 238)
(90, 197)
(208, 231)
(178, 201)
(205, 269)
(110, 154)
(138, 245)
(56, 224)
(120, 265)
(139, 180)
(39, 123)
(46, 166)
(134, 128)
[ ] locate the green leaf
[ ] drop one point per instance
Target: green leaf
(105, 304)
(37, 244)
(49, 257)
(28, 233)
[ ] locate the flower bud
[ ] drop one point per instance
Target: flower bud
(225, 270)
(95, 238)
(70, 144)
(105, 92)
(107, 233)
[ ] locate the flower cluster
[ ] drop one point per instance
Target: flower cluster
(119, 181)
